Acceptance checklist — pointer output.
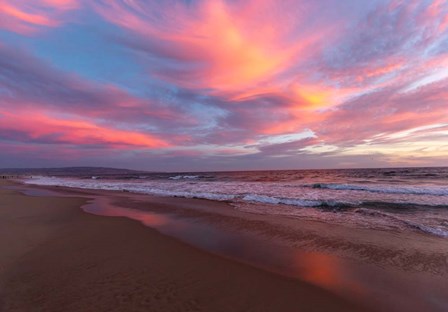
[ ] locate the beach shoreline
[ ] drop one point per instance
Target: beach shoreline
(73, 261)
(328, 244)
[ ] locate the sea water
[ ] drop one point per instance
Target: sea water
(404, 199)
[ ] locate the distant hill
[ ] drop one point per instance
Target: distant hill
(70, 171)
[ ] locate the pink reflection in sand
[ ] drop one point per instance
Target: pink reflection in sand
(102, 206)
(328, 272)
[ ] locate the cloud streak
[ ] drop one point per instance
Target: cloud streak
(27, 17)
(40, 127)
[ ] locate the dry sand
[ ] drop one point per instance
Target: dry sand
(55, 257)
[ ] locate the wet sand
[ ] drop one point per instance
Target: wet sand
(233, 261)
(55, 257)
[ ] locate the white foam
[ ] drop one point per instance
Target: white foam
(130, 187)
(200, 195)
(433, 230)
(179, 177)
(387, 189)
(285, 201)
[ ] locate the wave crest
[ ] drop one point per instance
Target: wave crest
(387, 189)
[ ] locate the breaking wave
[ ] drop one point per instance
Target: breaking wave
(387, 189)
(433, 230)
(186, 177)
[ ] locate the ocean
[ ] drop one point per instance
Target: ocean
(400, 199)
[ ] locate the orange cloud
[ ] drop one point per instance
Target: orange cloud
(230, 48)
(39, 126)
(318, 96)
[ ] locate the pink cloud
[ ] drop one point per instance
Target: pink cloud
(37, 126)
(33, 85)
(384, 112)
(26, 17)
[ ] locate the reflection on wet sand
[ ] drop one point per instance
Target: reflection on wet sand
(389, 290)
(101, 206)
(320, 269)
(328, 272)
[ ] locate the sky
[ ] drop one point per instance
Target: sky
(189, 85)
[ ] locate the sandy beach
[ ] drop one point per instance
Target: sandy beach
(55, 257)
(199, 255)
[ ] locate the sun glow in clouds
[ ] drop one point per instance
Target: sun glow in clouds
(221, 79)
